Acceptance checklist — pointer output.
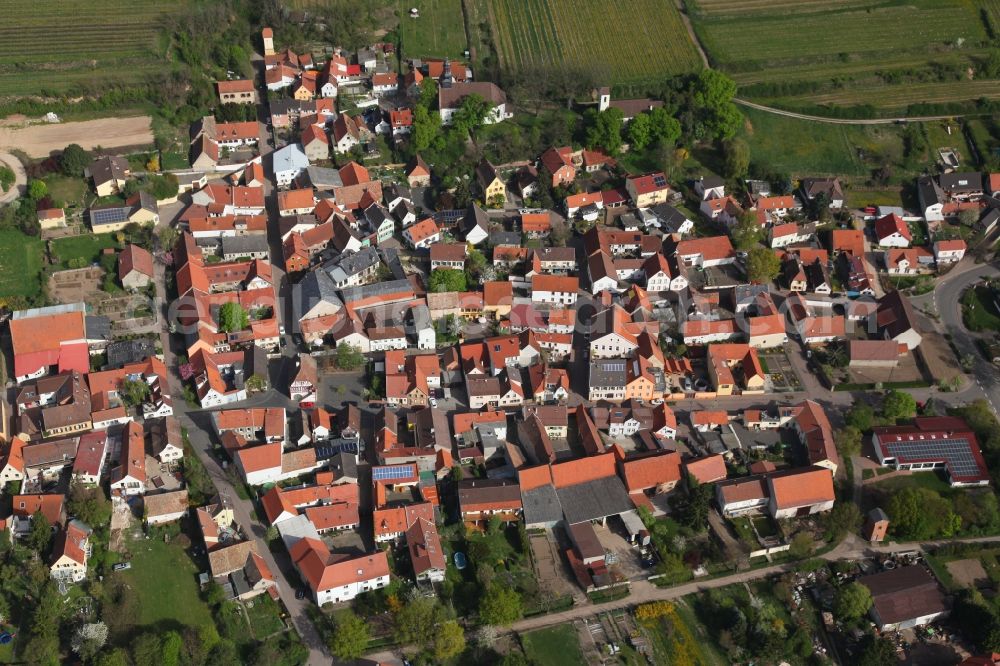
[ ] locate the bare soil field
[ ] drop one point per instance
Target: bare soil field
(968, 573)
(40, 140)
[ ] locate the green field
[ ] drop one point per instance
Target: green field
(848, 52)
(807, 148)
(86, 246)
(66, 191)
(166, 581)
(438, 32)
(66, 45)
(618, 40)
(20, 263)
(552, 646)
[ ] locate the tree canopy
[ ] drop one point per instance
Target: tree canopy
(350, 637)
(349, 357)
(74, 160)
(500, 606)
(762, 265)
(713, 94)
(447, 279)
(604, 129)
(852, 601)
(898, 405)
(232, 317)
(920, 513)
(736, 157)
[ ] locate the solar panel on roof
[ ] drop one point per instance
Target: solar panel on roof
(660, 181)
(391, 472)
(956, 454)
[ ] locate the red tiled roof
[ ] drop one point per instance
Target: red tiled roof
(708, 469)
(135, 258)
(651, 470)
(801, 487)
(890, 224)
(581, 470)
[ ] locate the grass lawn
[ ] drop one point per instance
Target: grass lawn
(765, 527)
(802, 147)
(979, 311)
(931, 480)
(439, 32)
(20, 263)
(86, 246)
(171, 160)
(265, 617)
(861, 197)
(66, 190)
(745, 531)
(552, 646)
(167, 584)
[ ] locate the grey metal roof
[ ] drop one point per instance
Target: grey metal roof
(608, 373)
(49, 310)
(124, 352)
(929, 191)
(670, 217)
(289, 158)
(397, 191)
(594, 500)
(475, 217)
(351, 263)
(247, 243)
(322, 177)
(377, 289)
(97, 327)
(511, 238)
(316, 287)
(541, 505)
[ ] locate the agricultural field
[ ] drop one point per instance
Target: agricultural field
(886, 54)
(66, 45)
(619, 40)
(438, 31)
(803, 147)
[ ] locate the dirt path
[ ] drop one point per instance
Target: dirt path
(843, 121)
(20, 177)
(40, 140)
(691, 35)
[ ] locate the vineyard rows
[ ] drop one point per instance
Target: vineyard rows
(628, 40)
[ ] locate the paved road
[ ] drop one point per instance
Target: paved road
(947, 301)
(841, 121)
(852, 548)
(20, 178)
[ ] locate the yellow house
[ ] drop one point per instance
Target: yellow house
(140, 208)
(69, 554)
(109, 174)
(723, 359)
(303, 94)
(494, 189)
(51, 218)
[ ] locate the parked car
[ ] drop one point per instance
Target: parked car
(122, 566)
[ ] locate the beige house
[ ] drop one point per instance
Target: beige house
(140, 208)
(494, 189)
(69, 553)
(52, 218)
(165, 507)
(108, 174)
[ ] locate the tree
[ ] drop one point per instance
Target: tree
(170, 649)
(979, 618)
(801, 546)
(500, 606)
(470, 116)
(133, 392)
(559, 232)
(89, 639)
(37, 189)
(7, 178)
(692, 510)
(256, 383)
(426, 128)
(350, 637)
(712, 93)
(877, 651)
(449, 641)
(146, 649)
(232, 317)
(475, 262)
(762, 265)
(349, 357)
(852, 602)
(605, 129)
(844, 518)
(736, 154)
(89, 504)
(447, 279)
(417, 621)
(860, 416)
(640, 131)
(40, 535)
(969, 217)
(116, 657)
(898, 405)
(74, 160)
(168, 237)
(664, 127)
(920, 513)
(848, 441)
(162, 187)
(746, 232)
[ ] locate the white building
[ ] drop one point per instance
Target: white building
(289, 162)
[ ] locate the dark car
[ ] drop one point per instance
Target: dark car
(300, 594)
